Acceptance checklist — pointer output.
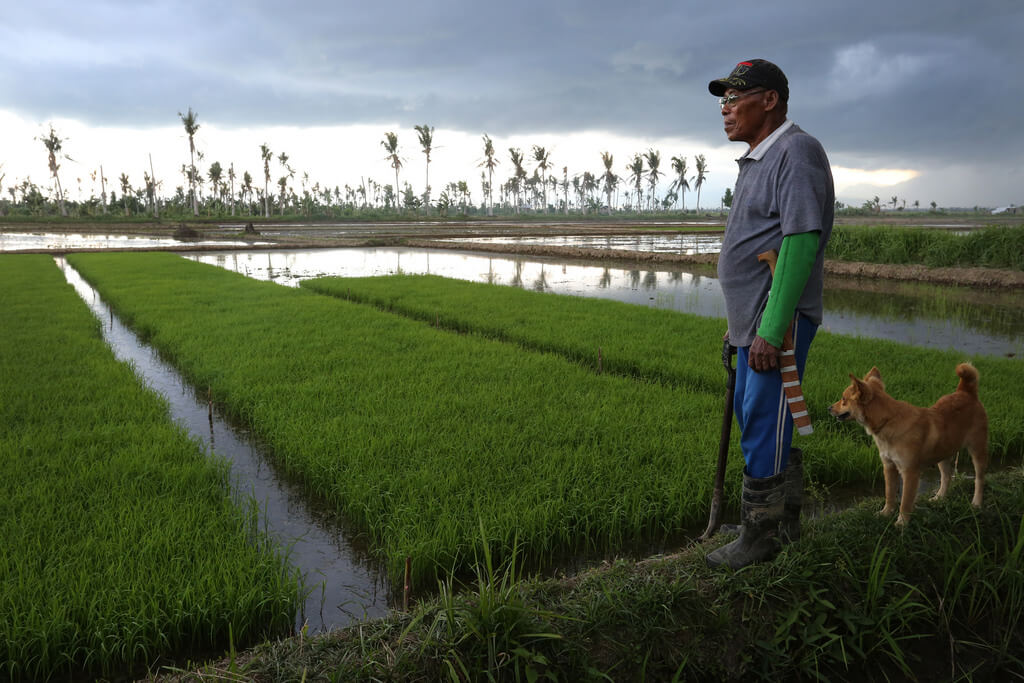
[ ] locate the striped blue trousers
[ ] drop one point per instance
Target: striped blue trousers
(766, 426)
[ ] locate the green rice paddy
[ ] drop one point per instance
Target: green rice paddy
(120, 543)
(434, 414)
(683, 350)
(418, 435)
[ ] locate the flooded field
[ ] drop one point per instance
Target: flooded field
(35, 241)
(673, 243)
(971, 321)
(968, 320)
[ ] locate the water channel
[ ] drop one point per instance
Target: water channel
(344, 586)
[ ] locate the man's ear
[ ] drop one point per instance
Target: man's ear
(771, 100)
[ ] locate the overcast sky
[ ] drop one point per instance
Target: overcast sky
(922, 100)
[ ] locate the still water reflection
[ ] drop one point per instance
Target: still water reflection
(35, 241)
(672, 243)
(344, 586)
(929, 316)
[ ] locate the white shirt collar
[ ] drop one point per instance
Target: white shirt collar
(758, 152)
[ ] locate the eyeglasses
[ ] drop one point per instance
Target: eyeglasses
(730, 100)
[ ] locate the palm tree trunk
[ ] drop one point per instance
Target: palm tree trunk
(60, 197)
(490, 192)
(192, 182)
(152, 175)
(103, 190)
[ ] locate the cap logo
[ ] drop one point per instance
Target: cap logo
(741, 69)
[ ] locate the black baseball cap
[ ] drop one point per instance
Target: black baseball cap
(753, 73)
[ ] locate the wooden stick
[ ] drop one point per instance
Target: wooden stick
(787, 366)
(408, 584)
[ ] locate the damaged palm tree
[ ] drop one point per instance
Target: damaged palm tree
(191, 122)
(53, 144)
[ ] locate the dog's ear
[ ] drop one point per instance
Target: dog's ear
(863, 389)
(874, 374)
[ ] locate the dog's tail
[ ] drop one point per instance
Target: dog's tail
(968, 379)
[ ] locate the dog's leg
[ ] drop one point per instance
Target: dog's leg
(978, 448)
(911, 481)
(892, 483)
(945, 476)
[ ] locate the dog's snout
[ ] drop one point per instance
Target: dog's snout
(839, 414)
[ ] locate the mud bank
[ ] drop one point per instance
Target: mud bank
(967, 277)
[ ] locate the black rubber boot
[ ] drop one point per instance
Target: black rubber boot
(764, 503)
(789, 528)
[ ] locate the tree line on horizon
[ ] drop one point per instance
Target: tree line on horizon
(217, 190)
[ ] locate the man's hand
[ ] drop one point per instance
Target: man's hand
(762, 356)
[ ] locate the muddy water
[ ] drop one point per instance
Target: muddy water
(343, 584)
(969, 321)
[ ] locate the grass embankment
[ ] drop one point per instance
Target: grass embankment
(119, 541)
(417, 435)
(684, 350)
(855, 599)
(990, 247)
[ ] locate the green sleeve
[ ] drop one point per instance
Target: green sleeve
(796, 258)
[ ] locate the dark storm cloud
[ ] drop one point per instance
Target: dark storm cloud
(874, 79)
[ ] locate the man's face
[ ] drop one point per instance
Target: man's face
(744, 117)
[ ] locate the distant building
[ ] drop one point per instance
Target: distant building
(1005, 209)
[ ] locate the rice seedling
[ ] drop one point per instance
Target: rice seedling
(416, 434)
(120, 544)
(682, 350)
(598, 333)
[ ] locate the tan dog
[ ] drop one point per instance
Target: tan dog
(910, 438)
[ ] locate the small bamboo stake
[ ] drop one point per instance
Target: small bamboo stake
(600, 361)
(407, 590)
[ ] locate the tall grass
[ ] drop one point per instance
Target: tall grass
(119, 541)
(991, 247)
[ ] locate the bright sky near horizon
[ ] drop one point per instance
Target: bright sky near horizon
(918, 100)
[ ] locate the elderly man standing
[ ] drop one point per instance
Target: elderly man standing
(784, 201)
